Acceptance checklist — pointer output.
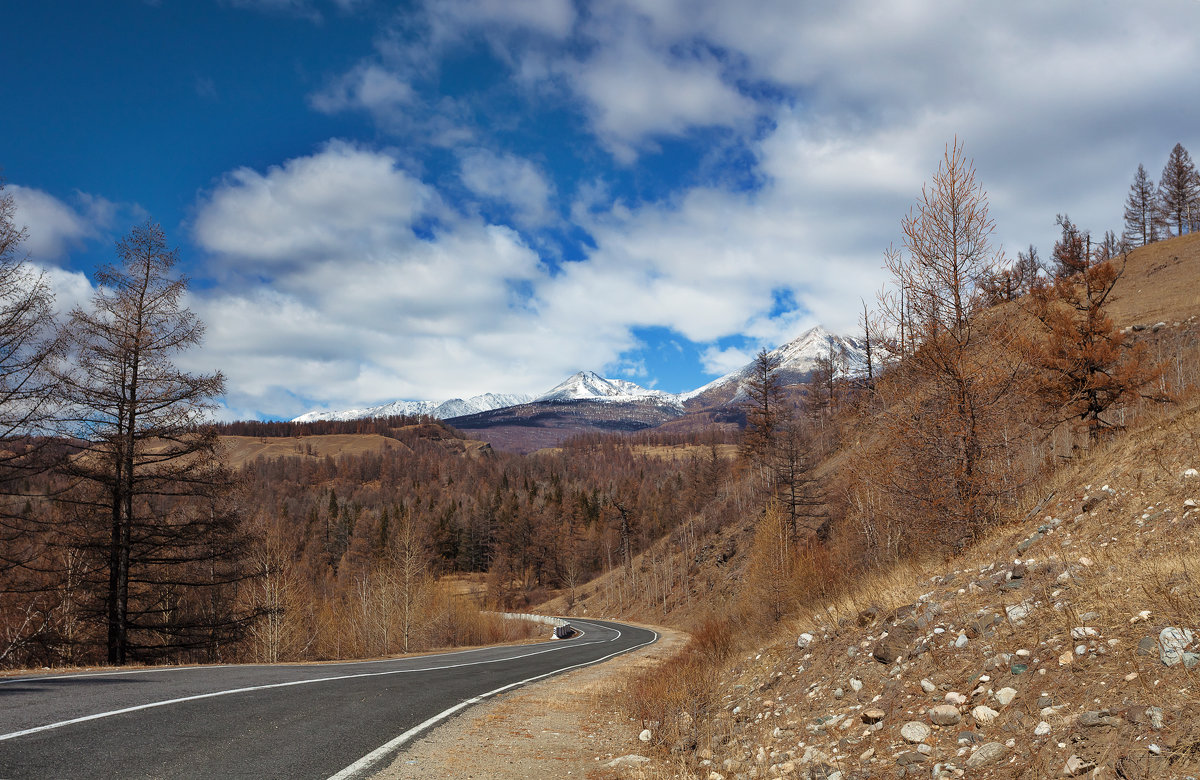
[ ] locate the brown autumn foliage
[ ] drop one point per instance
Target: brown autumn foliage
(1084, 367)
(948, 396)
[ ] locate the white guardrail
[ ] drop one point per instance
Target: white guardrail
(562, 629)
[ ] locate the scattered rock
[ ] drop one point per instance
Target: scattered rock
(804, 641)
(632, 759)
(1147, 646)
(1084, 632)
(1077, 766)
(915, 731)
(911, 757)
(873, 715)
(856, 684)
(1042, 729)
(927, 686)
(1171, 643)
(1005, 696)
(897, 643)
(645, 736)
(986, 754)
(1095, 718)
(1191, 474)
(1017, 612)
(944, 715)
(984, 714)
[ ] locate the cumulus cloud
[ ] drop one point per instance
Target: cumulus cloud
(341, 201)
(508, 179)
(635, 93)
(333, 295)
(54, 227)
(841, 112)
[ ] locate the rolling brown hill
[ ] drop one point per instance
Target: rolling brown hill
(1161, 284)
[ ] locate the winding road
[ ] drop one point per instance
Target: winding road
(338, 720)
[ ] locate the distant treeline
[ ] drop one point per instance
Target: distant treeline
(282, 429)
(653, 438)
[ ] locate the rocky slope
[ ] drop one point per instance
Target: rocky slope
(1064, 644)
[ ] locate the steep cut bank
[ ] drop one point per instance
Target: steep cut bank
(1062, 644)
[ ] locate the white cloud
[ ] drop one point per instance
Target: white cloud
(636, 92)
(54, 227)
(355, 308)
(718, 362)
(368, 87)
(554, 18)
(860, 98)
(342, 201)
(506, 178)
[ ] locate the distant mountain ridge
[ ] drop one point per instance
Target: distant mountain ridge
(798, 359)
(442, 410)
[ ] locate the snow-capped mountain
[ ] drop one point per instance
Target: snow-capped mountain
(590, 386)
(443, 410)
(798, 359)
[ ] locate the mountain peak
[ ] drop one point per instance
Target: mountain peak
(588, 385)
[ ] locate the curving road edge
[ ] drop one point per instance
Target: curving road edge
(313, 721)
(363, 766)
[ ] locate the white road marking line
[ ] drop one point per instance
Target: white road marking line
(160, 669)
(369, 760)
(247, 689)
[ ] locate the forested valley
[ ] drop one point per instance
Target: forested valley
(129, 534)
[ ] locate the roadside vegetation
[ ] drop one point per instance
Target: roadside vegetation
(996, 395)
(1005, 397)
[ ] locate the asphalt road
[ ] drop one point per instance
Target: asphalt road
(307, 721)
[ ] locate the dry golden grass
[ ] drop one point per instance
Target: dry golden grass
(1125, 551)
(1161, 283)
(240, 450)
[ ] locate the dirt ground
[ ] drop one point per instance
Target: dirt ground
(561, 727)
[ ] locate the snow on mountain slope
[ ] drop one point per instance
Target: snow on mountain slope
(455, 407)
(588, 385)
(798, 359)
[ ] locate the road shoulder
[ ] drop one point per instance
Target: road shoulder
(561, 727)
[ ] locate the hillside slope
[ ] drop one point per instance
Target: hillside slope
(1061, 644)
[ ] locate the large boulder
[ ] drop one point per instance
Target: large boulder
(898, 642)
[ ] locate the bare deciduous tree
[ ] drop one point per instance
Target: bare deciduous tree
(1142, 213)
(28, 349)
(150, 497)
(765, 409)
(1179, 191)
(947, 394)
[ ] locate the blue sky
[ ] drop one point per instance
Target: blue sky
(426, 200)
